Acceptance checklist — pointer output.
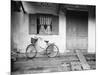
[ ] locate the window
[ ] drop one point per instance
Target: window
(43, 24)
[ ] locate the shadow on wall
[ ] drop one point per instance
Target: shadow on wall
(19, 32)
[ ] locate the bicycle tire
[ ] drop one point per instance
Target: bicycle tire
(51, 49)
(33, 51)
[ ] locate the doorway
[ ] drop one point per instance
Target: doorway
(77, 30)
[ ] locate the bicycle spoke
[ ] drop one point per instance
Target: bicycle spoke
(31, 51)
(52, 51)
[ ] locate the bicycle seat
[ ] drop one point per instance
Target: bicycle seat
(46, 41)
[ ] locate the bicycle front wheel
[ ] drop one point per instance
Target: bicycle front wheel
(52, 50)
(31, 51)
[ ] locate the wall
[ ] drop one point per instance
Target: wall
(91, 31)
(20, 37)
(37, 7)
(20, 34)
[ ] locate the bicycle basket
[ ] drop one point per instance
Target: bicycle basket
(33, 40)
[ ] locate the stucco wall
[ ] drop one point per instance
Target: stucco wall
(20, 37)
(20, 33)
(91, 31)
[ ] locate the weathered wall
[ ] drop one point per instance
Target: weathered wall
(19, 31)
(92, 31)
(37, 7)
(20, 37)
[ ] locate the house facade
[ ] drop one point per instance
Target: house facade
(69, 26)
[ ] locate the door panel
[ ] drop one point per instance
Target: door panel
(77, 30)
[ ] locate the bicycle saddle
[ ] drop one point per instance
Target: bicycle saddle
(46, 41)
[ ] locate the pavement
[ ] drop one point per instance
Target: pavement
(43, 64)
(46, 64)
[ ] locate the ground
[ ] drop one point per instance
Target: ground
(45, 64)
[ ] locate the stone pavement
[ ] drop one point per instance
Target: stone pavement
(46, 64)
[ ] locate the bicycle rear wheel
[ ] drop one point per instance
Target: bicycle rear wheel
(31, 51)
(52, 50)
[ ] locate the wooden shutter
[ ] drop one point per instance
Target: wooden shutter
(55, 25)
(32, 24)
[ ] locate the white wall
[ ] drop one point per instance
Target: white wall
(21, 37)
(91, 33)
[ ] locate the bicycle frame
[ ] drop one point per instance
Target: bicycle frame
(46, 48)
(34, 41)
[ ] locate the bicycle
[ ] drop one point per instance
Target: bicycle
(51, 49)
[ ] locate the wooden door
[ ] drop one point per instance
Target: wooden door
(77, 30)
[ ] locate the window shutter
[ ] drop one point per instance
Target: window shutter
(32, 24)
(55, 25)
